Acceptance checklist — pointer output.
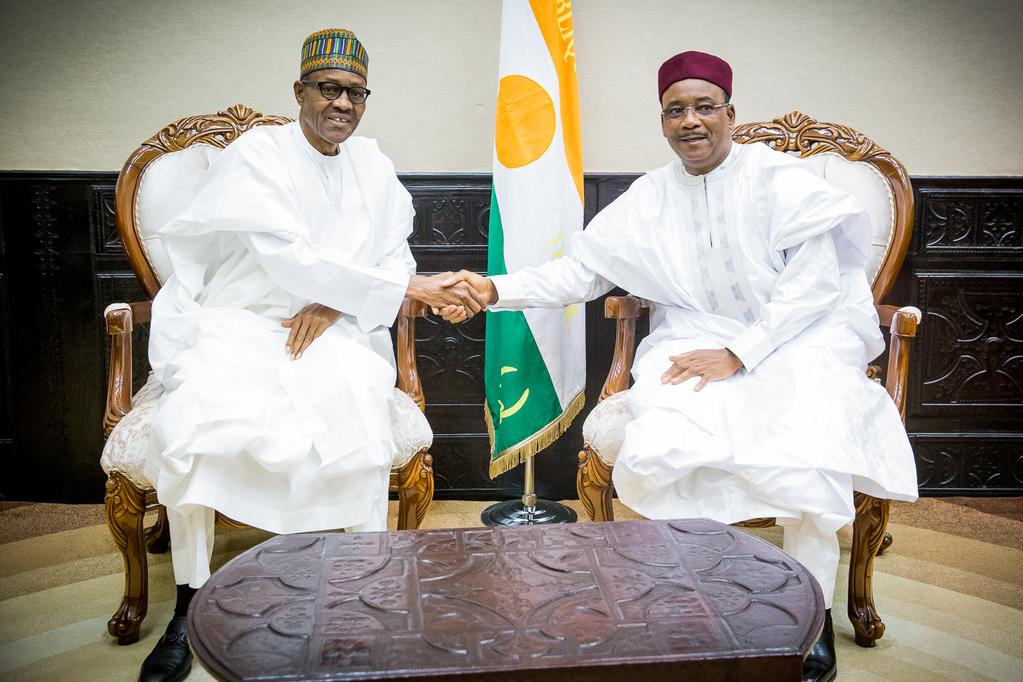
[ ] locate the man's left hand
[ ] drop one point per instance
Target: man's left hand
(709, 365)
(307, 326)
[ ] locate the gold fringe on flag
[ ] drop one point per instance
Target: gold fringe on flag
(520, 452)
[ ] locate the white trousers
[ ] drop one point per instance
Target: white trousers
(192, 530)
(817, 551)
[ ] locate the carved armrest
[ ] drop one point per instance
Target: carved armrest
(625, 310)
(408, 372)
(903, 323)
(120, 321)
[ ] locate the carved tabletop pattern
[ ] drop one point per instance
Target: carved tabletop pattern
(424, 604)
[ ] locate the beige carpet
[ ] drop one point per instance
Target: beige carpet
(950, 590)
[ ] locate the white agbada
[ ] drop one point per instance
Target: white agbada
(284, 445)
(765, 258)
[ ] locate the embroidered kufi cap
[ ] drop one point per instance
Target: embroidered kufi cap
(334, 48)
(691, 64)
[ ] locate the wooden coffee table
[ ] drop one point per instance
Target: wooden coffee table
(590, 601)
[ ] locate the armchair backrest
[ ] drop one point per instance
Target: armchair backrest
(160, 179)
(851, 161)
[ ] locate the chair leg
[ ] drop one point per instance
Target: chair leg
(415, 490)
(158, 535)
(868, 536)
(125, 511)
(885, 543)
(593, 483)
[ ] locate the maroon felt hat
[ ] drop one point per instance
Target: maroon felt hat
(700, 65)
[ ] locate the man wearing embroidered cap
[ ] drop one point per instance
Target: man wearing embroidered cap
(271, 338)
(749, 393)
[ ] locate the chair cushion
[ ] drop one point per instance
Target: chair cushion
(409, 428)
(604, 428)
(125, 449)
(165, 190)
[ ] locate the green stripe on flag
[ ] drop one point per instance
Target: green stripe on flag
(521, 400)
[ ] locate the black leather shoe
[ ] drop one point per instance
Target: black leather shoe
(821, 665)
(171, 659)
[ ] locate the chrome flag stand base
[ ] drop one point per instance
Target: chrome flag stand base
(514, 513)
(528, 510)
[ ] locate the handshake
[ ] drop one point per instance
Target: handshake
(455, 296)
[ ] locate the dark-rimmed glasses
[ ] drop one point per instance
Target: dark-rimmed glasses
(331, 91)
(701, 110)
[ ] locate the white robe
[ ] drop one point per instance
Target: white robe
(280, 444)
(765, 258)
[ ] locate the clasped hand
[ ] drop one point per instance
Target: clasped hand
(455, 296)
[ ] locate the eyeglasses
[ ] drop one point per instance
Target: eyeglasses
(331, 91)
(701, 111)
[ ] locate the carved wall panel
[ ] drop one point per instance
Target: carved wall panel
(455, 214)
(965, 222)
(55, 353)
(46, 256)
(61, 264)
(971, 358)
(6, 397)
(965, 411)
(104, 221)
(461, 467)
(955, 464)
(451, 224)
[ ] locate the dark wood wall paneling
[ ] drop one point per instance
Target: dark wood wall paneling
(61, 263)
(966, 385)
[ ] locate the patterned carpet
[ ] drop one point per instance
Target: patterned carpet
(950, 591)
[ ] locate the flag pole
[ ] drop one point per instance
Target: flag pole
(529, 494)
(529, 509)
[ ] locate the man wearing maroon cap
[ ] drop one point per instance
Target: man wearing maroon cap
(750, 398)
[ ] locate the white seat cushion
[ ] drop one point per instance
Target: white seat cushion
(409, 428)
(604, 428)
(125, 453)
(125, 449)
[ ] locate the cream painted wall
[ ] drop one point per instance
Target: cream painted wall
(935, 81)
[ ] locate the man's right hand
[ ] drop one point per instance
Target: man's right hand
(484, 288)
(307, 326)
(445, 290)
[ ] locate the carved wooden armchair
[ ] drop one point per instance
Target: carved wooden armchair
(157, 182)
(852, 162)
